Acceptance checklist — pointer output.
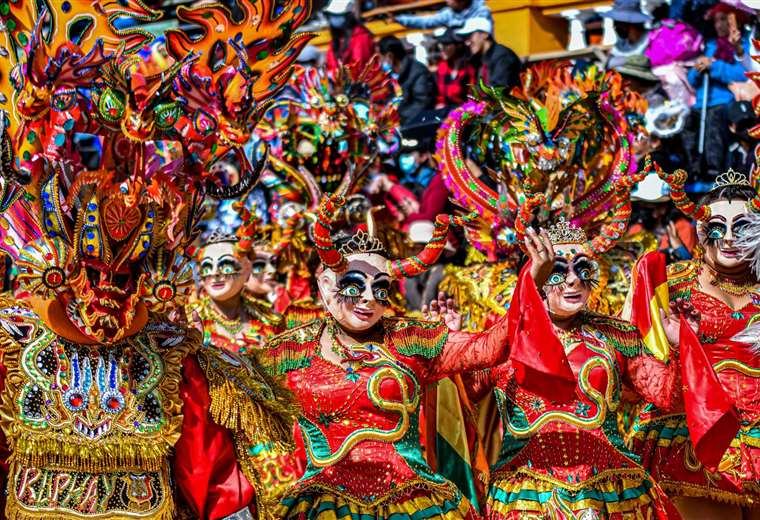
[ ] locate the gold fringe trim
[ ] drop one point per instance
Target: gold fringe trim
(265, 413)
(236, 411)
(682, 489)
(446, 490)
(123, 453)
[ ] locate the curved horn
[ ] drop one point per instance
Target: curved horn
(330, 256)
(247, 230)
(289, 230)
(676, 181)
(249, 176)
(418, 264)
(612, 231)
(525, 215)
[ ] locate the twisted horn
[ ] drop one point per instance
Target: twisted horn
(613, 231)
(418, 264)
(247, 230)
(328, 210)
(287, 233)
(525, 215)
(676, 181)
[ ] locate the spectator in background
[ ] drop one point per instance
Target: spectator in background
(638, 76)
(454, 73)
(310, 56)
(655, 213)
(629, 26)
(498, 66)
(416, 81)
(350, 41)
(716, 69)
(741, 148)
(454, 15)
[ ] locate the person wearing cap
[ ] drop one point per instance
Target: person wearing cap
(741, 118)
(350, 41)
(454, 72)
(630, 28)
(454, 15)
(637, 73)
(416, 81)
(719, 62)
(498, 66)
(310, 56)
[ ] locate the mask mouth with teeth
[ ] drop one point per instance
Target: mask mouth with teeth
(103, 303)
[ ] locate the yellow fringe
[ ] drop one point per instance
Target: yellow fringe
(64, 451)
(236, 411)
(388, 506)
(266, 417)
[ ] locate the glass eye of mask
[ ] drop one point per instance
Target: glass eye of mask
(559, 273)
(381, 294)
(716, 230)
(584, 270)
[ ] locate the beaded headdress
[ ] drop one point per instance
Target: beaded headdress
(103, 233)
(565, 233)
(563, 133)
(218, 237)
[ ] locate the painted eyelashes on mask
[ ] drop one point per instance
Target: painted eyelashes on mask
(716, 231)
(352, 285)
(260, 266)
(585, 270)
(226, 268)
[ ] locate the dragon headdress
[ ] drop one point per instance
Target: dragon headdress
(563, 134)
(104, 244)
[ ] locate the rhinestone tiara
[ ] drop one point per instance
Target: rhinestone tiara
(362, 242)
(732, 178)
(565, 233)
(217, 237)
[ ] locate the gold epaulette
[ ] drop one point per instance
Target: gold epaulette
(244, 399)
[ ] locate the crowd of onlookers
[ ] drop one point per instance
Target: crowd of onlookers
(687, 58)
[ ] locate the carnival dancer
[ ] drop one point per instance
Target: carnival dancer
(358, 377)
(708, 461)
(563, 454)
(235, 330)
(105, 406)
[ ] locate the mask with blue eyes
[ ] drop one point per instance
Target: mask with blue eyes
(585, 269)
(352, 286)
(715, 230)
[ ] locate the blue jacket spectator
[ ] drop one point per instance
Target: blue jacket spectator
(721, 74)
(454, 15)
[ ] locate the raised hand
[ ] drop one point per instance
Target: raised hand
(541, 254)
(672, 323)
(443, 309)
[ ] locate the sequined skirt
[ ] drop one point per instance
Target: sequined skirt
(416, 503)
(612, 494)
(668, 454)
